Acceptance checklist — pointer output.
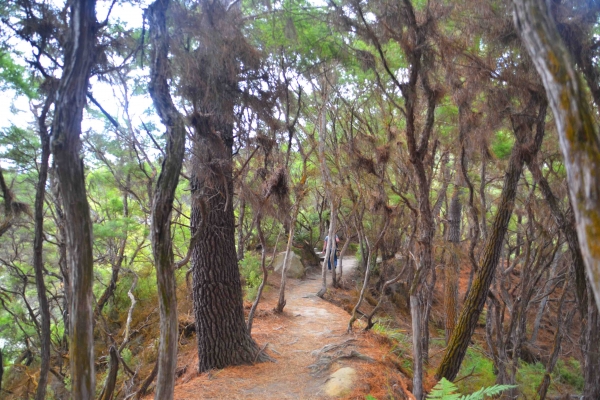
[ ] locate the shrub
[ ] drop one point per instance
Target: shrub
(251, 274)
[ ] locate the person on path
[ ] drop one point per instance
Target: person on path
(333, 249)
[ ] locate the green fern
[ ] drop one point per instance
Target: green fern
(446, 390)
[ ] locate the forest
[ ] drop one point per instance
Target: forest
(157, 155)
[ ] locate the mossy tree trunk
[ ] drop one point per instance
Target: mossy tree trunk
(578, 137)
(473, 305)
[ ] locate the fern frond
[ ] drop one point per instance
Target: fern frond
(444, 390)
(487, 391)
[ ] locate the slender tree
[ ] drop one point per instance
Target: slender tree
(164, 193)
(66, 147)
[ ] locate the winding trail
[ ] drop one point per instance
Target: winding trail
(294, 338)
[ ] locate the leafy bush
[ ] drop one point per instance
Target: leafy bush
(569, 373)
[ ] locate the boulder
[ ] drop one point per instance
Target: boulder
(294, 270)
(340, 383)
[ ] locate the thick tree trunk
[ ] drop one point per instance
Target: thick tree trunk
(579, 140)
(164, 193)
(221, 332)
(476, 298)
(66, 147)
(38, 262)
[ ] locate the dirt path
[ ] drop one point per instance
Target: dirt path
(294, 339)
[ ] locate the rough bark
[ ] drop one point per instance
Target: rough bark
(164, 193)
(578, 137)
(66, 147)
(221, 331)
(452, 270)
(476, 298)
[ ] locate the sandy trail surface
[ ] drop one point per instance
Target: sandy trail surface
(295, 339)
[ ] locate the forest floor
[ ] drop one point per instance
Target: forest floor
(308, 341)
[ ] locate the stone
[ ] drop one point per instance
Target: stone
(294, 270)
(340, 383)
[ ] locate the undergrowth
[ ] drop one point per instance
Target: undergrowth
(251, 274)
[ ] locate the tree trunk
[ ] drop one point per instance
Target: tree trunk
(567, 226)
(328, 184)
(328, 257)
(38, 262)
(221, 331)
(415, 312)
(111, 379)
(579, 140)
(263, 267)
(164, 193)
(591, 353)
(452, 271)
(476, 298)
(66, 146)
(561, 323)
(286, 260)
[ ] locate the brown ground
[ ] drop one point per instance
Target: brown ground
(294, 339)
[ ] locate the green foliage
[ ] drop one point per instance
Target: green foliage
(502, 144)
(529, 377)
(127, 356)
(369, 397)
(446, 390)
(569, 373)
(251, 274)
(481, 368)
(13, 76)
